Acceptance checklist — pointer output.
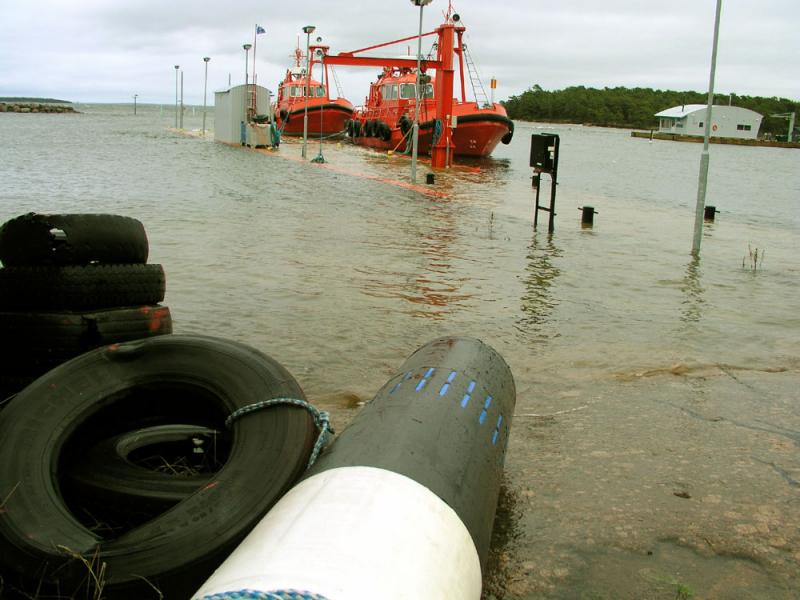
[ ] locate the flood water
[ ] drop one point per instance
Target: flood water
(655, 449)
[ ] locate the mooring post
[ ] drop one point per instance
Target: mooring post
(710, 211)
(587, 215)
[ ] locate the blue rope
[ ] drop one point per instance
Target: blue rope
(321, 419)
(259, 595)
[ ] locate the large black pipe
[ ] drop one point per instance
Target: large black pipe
(443, 420)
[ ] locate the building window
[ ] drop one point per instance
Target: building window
(679, 124)
(741, 127)
(700, 124)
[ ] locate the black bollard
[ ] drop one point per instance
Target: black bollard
(710, 211)
(429, 178)
(587, 215)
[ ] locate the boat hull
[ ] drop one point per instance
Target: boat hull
(323, 119)
(476, 134)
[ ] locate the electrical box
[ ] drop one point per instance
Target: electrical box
(544, 152)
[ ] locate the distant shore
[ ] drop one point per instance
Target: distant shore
(655, 135)
(35, 107)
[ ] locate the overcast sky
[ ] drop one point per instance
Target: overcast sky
(108, 50)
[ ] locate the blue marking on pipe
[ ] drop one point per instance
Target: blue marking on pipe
(451, 376)
(497, 430)
(443, 391)
(430, 372)
(467, 396)
(487, 402)
(421, 384)
(406, 377)
(482, 418)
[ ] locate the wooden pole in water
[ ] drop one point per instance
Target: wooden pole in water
(703, 177)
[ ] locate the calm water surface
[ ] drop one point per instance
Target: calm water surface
(624, 349)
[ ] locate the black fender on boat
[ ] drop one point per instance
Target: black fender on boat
(383, 131)
(506, 139)
(108, 391)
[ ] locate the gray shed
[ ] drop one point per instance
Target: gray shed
(230, 113)
(726, 121)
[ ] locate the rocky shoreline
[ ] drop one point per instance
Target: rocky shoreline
(35, 107)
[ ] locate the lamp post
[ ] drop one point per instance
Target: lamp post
(320, 53)
(415, 127)
(246, 57)
(308, 30)
(176, 95)
(205, 87)
(134, 103)
(246, 81)
(703, 177)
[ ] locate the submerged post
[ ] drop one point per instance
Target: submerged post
(415, 125)
(703, 177)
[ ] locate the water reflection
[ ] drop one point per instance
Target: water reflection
(429, 247)
(537, 302)
(693, 292)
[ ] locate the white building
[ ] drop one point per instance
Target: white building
(726, 121)
(230, 115)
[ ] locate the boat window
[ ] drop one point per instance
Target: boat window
(406, 90)
(390, 92)
(320, 92)
(297, 90)
(428, 90)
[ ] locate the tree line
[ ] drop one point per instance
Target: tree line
(633, 107)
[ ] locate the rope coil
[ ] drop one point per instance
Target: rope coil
(321, 420)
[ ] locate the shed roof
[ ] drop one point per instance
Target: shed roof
(681, 111)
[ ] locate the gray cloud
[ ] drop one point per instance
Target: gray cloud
(103, 50)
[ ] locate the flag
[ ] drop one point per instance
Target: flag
(260, 29)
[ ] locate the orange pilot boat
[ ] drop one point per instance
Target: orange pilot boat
(326, 117)
(448, 126)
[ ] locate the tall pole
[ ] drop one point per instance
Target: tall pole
(308, 30)
(181, 100)
(205, 87)
(176, 95)
(703, 177)
(415, 126)
(134, 103)
(246, 81)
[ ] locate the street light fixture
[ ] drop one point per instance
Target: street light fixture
(176, 95)
(205, 87)
(246, 56)
(308, 30)
(415, 127)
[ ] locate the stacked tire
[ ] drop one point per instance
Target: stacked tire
(70, 283)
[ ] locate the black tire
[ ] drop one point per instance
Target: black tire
(140, 384)
(356, 128)
(404, 124)
(81, 287)
(32, 343)
(72, 239)
(384, 131)
(142, 473)
(369, 128)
